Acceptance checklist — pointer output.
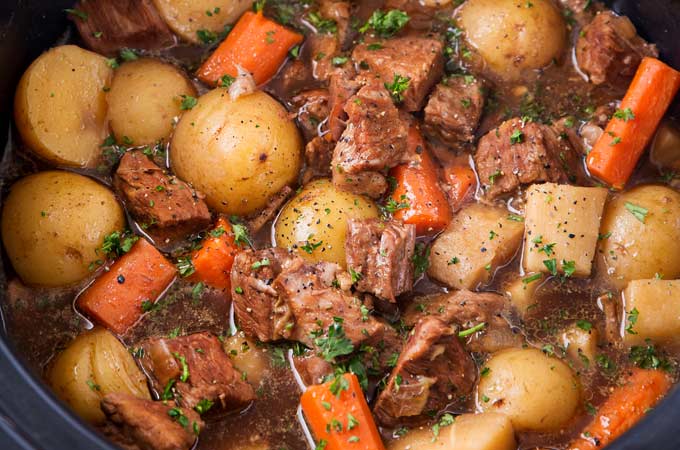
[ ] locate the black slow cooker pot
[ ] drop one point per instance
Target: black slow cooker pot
(32, 418)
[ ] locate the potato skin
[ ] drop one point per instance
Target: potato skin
(637, 250)
(238, 153)
(52, 224)
(95, 364)
(187, 17)
(537, 392)
(318, 214)
(60, 106)
(145, 96)
(511, 37)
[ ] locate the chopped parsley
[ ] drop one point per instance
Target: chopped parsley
(473, 330)
(185, 266)
(117, 244)
(309, 247)
(226, 81)
(178, 416)
(393, 206)
(517, 137)
(421, 259)
(206, 36)
(185, 367)
(632, 318)
(398, 86)
(551, 265)
(334, 343)
(338, 385)
(264, 262)
(203, 406)
(532, 278)
(639, 212)
(321, 24)
(646, 357)
(128, 55)
(624, 114)
(386, 24)
(584, 325)
(188, 102)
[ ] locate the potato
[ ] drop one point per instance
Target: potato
(562, 223)
(315, 221)
(665, 151)
(237, 152)
(60, 106)
(537, 392)
(580, 340)
(521, 292)
(248, 358)
(54, 222)
(487, 431)
(641, 236)
(652, 311)
(145, 97)
(513, 37)
(192, 18)
(93, 365)
(422, 439)
(479, 240)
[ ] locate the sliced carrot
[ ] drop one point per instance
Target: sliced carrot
(460, 180)
(618, 150)
(339, 416)
(212, 262)
(256, 44)
(623, 409)
(115, 298)
(418, 196)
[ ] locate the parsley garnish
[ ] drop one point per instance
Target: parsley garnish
(128, 55)
(421, 259)
(334, 343)
(624, 114)
(179, 417)
(117, 244)
(386, 24)
(646, 357)
(397, 88)
(517, 137)
(188, 102)
(393, 206)
(322, 25)
(203, 406)
(264, 262)
(473, 330)
(632, 320)
(185, 266)
(639, 212)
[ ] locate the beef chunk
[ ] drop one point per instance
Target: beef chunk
(318, 156)
(433, 371)
(140, 424)
(419, 59)
(609, 49)
(200, 369)
(323, 48)
(341, 87)
(312, 110)
(518, 153)
(112, 25)
(381, 252)
(373, 142)
(288, 298)
(312, 369)
(341, 12)
(157, 199)
(468, 309)
(454, 109)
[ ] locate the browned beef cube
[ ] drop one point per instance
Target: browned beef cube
(140, 424)
(518, 153)
(340, 11)
(610, 50)
(312, 110)
(433, 371)
(381, 253)
(198, 368)
(312, 369)
(419, 59)
(468, 309)
(373, 142)
(454, 109)
(341, 87)
(323, 48)
(291, 299)
(318, 156)
(112, 25)
(258, 220)
(157, 199)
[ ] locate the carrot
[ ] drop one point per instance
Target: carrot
(624, 407)
(212, 262)
(618, 150)
(460, 180)
(256, 44)
(115, 298)
(339, 416)
(418, 199)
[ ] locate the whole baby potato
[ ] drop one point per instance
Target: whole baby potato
(194, 20)
(537, 392)
(315, 221)
(54, 222)
(95, 364)
(145, 96)
(641, 236)
(513, 36)
(60, 106)
(237, 152)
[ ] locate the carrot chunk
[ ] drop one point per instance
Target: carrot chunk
(460, 179)
(623, 409)
(339, 416)
(115, 298)
(418, 196)
(212, 262)
(256, 44)
(616, 153)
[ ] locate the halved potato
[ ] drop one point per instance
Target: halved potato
(95, 364)
(189, 17)
(53, 224)
(145, 96)
(60, 106)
